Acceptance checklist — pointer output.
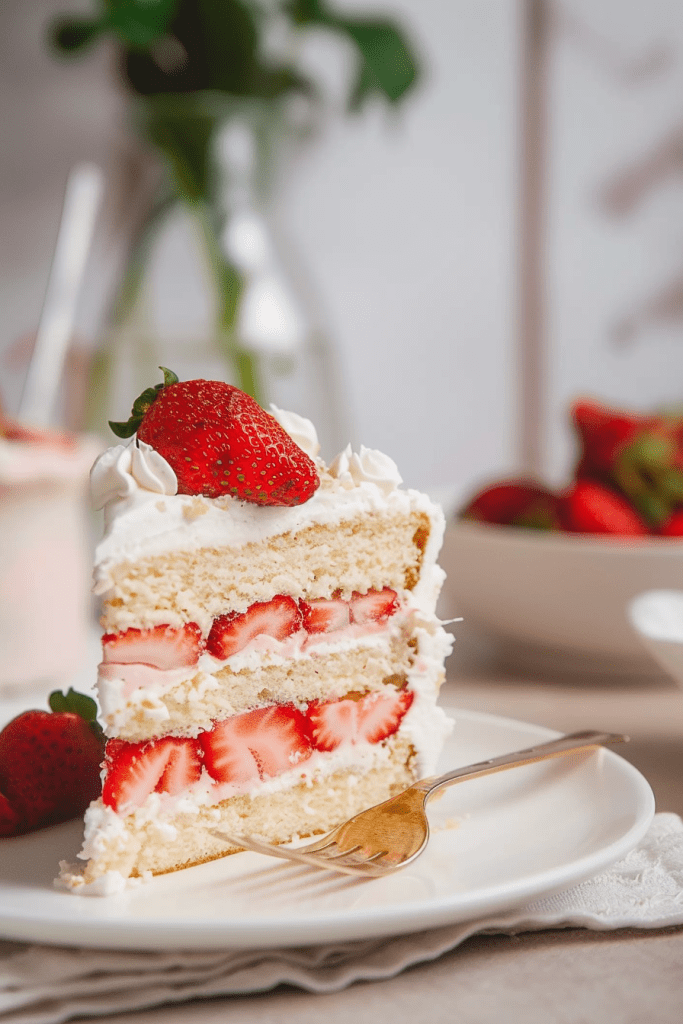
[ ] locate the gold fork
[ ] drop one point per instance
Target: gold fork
(390, 835)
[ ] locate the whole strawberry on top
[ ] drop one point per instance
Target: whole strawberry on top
(219, 441)
(49, 764)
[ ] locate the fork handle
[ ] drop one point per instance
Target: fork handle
(555, 748)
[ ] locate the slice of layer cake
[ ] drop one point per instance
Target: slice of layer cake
(271, 659)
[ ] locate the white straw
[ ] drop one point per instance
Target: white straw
(82, 199)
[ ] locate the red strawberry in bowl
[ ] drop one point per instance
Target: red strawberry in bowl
(515, 502)
(49, 764)
(603, 432)
(637, 455)
(590, 507)
(219, 441)
(673, 527)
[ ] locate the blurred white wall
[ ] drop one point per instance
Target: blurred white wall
(615, 259)
(408, 225)
(409, 228)
(404, 224)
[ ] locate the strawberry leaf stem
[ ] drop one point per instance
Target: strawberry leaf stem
(141, 404)
(77, 704)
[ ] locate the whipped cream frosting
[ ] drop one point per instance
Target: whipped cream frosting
(369, 466)
(121, 471)
(145, 517)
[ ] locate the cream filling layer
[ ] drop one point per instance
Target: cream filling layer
(128, 691)
(103, 825)
(424, 724)
(123, 688)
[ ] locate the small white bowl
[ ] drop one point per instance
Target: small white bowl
(657, 617)
(557, 600)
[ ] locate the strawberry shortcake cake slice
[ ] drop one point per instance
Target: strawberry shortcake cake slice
(271, 657)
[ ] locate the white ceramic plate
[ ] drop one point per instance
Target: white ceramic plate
(657, 617)
(497, 842)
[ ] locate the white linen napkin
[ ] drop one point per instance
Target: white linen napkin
(48, 985)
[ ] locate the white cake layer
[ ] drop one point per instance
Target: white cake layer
(377, 533)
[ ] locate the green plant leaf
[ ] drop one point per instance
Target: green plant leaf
(305, 12)
(271, 82)
(221, 43)
(387, 64)
(139, 23)
(126, 429)
(70, 34)
(169, 376)
(185, 137)
(654, 508)
(671, 485)
(231, 44)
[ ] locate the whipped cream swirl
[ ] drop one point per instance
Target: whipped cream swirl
(368, 466)
(125, 469)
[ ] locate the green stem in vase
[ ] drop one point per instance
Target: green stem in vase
(229, 289)
(187, 64)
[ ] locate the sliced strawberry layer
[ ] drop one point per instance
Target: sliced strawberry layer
(355, 718)
(163, 647)
(167, 647)
(257, 745)
(135, 770)
(247, 748)
(375, 606)
(231, 633)
(325, 616)
(183, 767)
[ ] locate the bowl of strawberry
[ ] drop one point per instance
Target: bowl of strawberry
(548, 574)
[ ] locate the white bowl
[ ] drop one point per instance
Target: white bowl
(557, 600)
(657, 617)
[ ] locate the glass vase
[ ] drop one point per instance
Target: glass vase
(262, 329)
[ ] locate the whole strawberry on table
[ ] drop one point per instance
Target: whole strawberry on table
(627, 480)
(50, 764)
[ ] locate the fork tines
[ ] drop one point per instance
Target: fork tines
(327, 857)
